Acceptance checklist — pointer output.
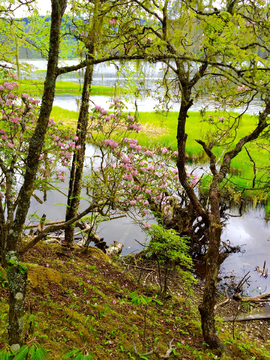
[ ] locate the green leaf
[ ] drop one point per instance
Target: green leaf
(78, 356)
(22, 353)
(72, 352)
(32, 351)
(5, 355)
(40, 353)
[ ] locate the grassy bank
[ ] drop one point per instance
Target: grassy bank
(159, 131)
(35, 88)
(82, 300)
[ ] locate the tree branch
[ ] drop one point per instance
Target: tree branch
(53, 228)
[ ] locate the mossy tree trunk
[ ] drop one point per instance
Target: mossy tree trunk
(12, 228)
(17, 280)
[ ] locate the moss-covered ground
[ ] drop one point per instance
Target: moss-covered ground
(83, 300)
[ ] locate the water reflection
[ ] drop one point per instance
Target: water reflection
(251, 232)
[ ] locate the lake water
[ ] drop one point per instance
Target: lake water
(251, 231)
(106, 75)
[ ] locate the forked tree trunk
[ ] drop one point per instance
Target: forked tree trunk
(211, 220)
(76, 173)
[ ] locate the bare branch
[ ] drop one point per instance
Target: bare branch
(53, 228)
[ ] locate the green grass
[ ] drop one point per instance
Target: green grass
(35, 88)
(159, 131)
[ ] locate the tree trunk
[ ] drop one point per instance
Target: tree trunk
(75, 182)
(17, 273)
(17, 279)
(211, 220)
(213, 261)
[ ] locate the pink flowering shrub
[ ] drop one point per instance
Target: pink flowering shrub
(137, 180)
(19, 114)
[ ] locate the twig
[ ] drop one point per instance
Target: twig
(139, 242)
(225, 301)
(168, 352)
(154, 351)
(243, 280)
(147, 276)
(147, 354)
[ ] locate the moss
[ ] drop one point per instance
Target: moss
(98, 254)
(39, 276)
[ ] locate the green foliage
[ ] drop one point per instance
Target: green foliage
(168, 246)
(26, 352)
(170, 251)
(78, 355)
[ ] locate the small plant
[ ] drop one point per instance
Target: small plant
(170, 251)
(143, 301)
(78, 354)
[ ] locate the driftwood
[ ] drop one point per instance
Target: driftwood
(115, 249)
(261, 314)
(252, 299)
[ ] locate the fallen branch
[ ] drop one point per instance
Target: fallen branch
(47, 224)
(154, 351)
(168, 353)
(252, 298)
(147, 354)
(54, 228)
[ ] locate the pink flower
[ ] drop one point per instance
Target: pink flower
(133, 202)
(164, 150)
(149, 153)
(114, 301)
(147, 225)
(126, 160)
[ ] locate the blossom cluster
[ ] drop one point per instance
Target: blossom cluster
(132, 178)
(19, 114)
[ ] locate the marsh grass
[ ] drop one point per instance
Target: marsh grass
(159, 131)
(35, 88)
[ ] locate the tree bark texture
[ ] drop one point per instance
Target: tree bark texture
(37, 141)
(75, 181)
(17, 274)
(17, 279)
